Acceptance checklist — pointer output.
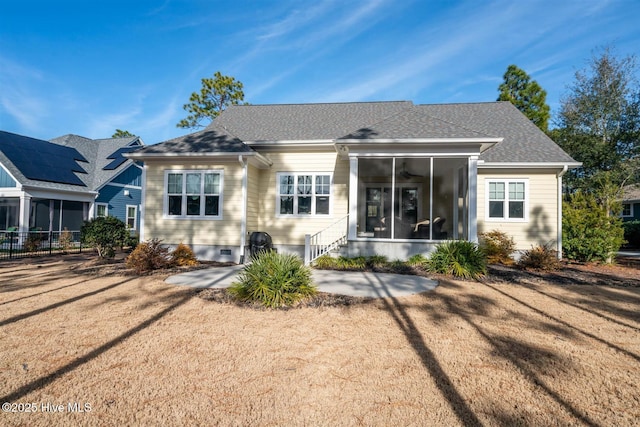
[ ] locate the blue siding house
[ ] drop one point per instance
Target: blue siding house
(631, 203)
(58, 184)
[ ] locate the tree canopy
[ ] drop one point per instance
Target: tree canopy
(526, 95)
(119, 133)
(599, 125)
(215, 96)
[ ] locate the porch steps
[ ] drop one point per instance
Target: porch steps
(326, 241)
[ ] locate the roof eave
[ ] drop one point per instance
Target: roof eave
(532, 165)
(190, 155)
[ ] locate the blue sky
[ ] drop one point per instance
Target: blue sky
(90, 66)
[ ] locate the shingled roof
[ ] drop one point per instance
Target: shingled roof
(99, 153)
(241, 128)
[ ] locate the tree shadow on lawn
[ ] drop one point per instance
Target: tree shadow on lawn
(176, 300)
(530, 360)
(414, 337)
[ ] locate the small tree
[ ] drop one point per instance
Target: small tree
(589, 233)
(105, 234)
(526, 95)
(215, 96)
(119, 133)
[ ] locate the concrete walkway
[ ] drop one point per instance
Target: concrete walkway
(353, 283)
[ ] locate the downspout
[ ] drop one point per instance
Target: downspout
(559, 176)
(243, 209)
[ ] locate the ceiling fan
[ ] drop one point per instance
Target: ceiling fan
(405, 174)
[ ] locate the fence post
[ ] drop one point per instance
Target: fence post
(11, 244)
(50, 242)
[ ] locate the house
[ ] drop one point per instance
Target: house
(58, 184)
(386, 178)
(631, 203)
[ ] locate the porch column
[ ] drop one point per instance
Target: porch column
(353, 198)
(473, 199)
(25, 211)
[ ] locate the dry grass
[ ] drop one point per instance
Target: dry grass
(141, 352)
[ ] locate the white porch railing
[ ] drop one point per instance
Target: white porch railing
(326, 240)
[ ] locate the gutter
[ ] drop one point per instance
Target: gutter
(559, 176)
(243, 208)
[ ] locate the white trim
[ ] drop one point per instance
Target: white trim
(135, 217)
(243, 204)
(18, 185)
(631, 205)
(312, 195)
(419, 141)
(559, 176)
(231, 156)
(115, 184)
(532, 165)
(505, 217)
(472, 185)
(183, 215)
(142, 201)
(353, 198)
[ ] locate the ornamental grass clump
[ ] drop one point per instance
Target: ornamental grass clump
(274, 280)
(458, 258)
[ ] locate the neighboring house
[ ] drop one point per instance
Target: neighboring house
(58, 184)
(387, 178)
(631, 203)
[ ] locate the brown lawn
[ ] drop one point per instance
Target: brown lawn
(517, 349)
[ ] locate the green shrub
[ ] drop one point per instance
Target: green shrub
(105, 234)
(376, 261)
(132, 241)
(274, 280)
(541, 257)
(148, 256)
(632, 233)
(589, 233)
(417, 260)
(182, 255)
(498, 246)
(326, 262)
(458, 258)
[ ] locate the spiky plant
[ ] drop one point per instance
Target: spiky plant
(274, 280)
(458, 258)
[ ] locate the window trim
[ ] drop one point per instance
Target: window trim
(313, 195)
(183, 215)
(135, 216)
(506, 182)
(630, 210)
(106, 210)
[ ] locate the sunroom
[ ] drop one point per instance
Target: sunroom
(407, 195)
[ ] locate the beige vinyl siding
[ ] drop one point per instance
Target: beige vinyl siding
(225, 231)
(291, 230)
(254, 176)
(541, 226)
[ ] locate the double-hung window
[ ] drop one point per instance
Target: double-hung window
(193, 194)
(507, 200)
(132, 216)
(302, 194)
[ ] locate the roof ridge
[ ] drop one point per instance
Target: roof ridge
(321, 103)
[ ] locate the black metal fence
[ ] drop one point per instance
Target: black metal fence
(14, 244)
